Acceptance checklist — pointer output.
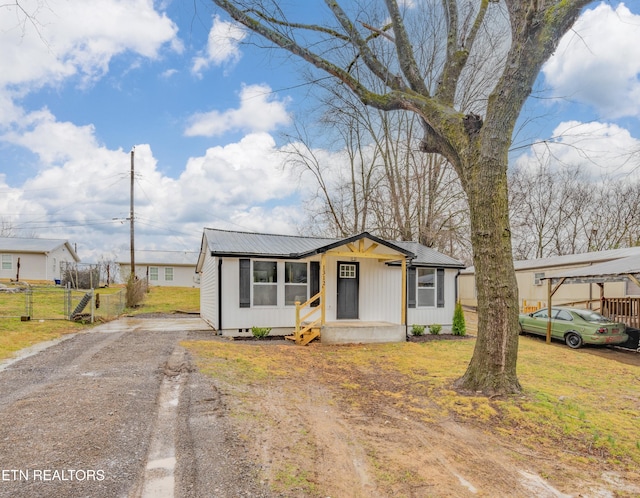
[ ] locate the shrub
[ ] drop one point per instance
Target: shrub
(435, 328)
(417, 329)
(260, 332)
(459, 326)
(135, 292)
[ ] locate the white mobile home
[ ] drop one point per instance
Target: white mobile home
(162, 268)
(359, 289)
(34, 259)
(531, 274)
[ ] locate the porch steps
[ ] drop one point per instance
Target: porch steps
(305, 336)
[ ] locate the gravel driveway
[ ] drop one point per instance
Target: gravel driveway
(119, 411)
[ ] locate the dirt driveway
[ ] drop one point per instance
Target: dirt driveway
(116, 412)
(121, 412)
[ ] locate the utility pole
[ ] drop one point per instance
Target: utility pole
(133, 257)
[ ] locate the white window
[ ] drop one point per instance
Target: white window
(265, 283)
(347, 271)
(295, 283)
(426, 287)
(7, 262)
(168, 274)
(153, 273)
(537, 278)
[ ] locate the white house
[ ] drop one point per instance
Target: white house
(356, 289)
(162, 268)
(34, 259)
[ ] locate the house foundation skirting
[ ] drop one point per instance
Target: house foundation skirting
(354, 332)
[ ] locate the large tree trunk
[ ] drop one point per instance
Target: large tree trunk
(492, 369)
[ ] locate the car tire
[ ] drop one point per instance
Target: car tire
(573, 340)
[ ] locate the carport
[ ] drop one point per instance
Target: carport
(623, 309)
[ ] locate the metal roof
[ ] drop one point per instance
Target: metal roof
(426, 256)
(165, 258)
(571, 259)
(33, 245)
(616, 269)
(230, 243)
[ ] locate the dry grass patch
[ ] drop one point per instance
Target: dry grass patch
(16, 335)
(575, 407)
(169, 300)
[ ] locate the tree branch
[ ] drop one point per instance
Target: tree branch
(405, 51)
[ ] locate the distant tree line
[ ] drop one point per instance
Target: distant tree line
(564, 211)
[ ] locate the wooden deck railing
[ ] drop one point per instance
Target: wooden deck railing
(529, 308)
(622, 309)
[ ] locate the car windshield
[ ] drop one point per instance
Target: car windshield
(591, 316)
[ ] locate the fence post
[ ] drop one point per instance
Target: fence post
(93, 304)
(67, 301)
(28, 303)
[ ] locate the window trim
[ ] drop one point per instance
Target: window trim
(297, 284)
(166, 276)
(433, 289)
(263, 284)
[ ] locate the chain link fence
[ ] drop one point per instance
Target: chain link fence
(19, 300)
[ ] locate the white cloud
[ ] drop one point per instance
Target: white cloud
(82, 186)
(598, 62)
(223, 46)
(599, 149)
(53, 141)
(238, 175)
(258, 111)
(80, 38)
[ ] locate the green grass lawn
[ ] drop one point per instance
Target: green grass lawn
(169, 300)
(16, 334)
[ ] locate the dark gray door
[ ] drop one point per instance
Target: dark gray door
(347, 290)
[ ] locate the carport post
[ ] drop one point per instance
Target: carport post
(549, 294)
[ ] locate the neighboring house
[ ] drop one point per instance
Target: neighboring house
(251, 279)
(34, 259)
(163, 268)
(533, 289)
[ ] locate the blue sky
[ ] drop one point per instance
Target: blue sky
(205, 112)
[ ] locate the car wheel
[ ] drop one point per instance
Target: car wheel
(573, 340)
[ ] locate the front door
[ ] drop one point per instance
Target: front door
(347, 291)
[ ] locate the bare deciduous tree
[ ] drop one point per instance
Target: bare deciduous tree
(385, 186)
(564, 211)
(379, 41)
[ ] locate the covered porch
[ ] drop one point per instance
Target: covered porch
(354, 324)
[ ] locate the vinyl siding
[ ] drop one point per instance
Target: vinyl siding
(443, 316)
(209, 291)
